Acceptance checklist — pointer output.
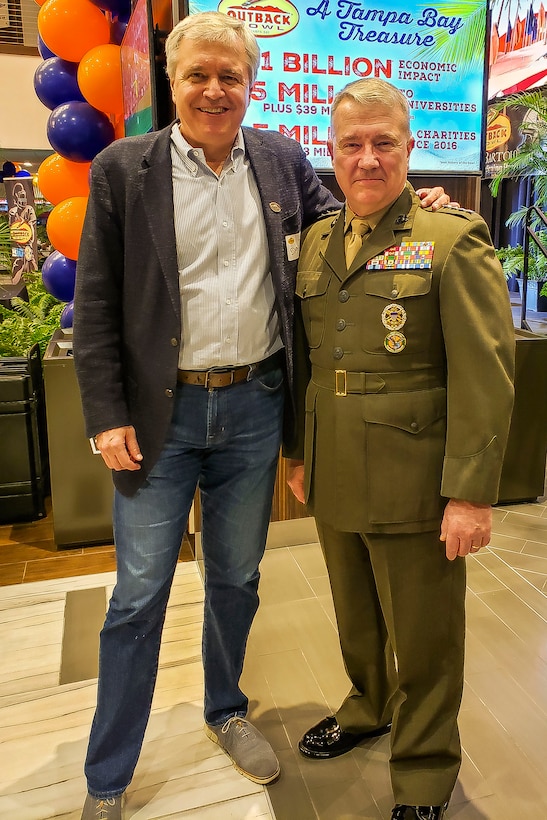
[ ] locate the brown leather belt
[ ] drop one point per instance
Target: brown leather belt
(215, 378)
(224, 377)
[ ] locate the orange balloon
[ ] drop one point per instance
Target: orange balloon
(100, 78)
(60, 178)
(65, 224)
(70, 28)
(40, 2)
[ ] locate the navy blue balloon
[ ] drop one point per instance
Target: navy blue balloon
(59, 276)
(45, 52)
(117, 8)
(67, 316)
(124, 11)
(117, 30)
(56, 82)
(8, 169)
(77, 131)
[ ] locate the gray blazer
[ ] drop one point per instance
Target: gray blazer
(127, 320)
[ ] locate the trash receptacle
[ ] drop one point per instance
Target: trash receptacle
(23, 454)
(81, 484)
(523, 473)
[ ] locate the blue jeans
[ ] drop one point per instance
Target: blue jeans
(227, 442)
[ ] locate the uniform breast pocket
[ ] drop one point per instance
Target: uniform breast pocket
(311, 288)
(402, 310)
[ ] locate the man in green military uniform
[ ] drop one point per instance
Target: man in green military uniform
(411, 344)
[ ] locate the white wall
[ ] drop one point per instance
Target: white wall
(23, 118)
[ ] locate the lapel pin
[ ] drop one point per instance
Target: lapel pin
(275, 207)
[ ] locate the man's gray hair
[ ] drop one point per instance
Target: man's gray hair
(212, 27)
(370, 91)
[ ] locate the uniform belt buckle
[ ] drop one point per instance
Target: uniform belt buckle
(340, 383)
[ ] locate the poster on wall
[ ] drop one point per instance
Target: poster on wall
(506, 130)
(22, 225)
(518, 47)
(310, 49)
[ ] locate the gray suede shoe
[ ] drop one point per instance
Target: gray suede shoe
(250, 752)
(102, 808)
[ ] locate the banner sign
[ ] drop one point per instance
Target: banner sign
(22, 225)
(506, 130)
(310, 49)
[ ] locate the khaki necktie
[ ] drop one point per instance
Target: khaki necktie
(354, 240)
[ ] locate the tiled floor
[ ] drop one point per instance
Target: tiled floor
(294, 676)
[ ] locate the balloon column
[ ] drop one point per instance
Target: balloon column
(80, 80)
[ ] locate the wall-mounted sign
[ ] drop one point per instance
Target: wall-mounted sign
(311, 48)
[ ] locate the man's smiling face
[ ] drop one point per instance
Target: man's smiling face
(211, 91)
(370, 150)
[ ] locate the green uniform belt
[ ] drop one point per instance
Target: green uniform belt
(344, 382)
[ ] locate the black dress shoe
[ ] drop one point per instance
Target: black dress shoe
(327, 739)
(403, 812)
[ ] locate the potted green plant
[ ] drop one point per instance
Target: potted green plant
(27, 323)
(512, 261)
(528, 160)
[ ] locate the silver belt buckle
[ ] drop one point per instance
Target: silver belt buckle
(340, 383)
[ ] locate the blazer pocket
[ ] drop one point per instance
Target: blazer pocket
(405, 436)
(311, 288)
(291, 222)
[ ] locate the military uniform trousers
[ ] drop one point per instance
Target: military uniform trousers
(400, 609)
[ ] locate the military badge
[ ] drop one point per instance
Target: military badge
(393, 317)
(395, 342)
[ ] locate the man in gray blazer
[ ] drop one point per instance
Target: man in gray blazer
(183, 350)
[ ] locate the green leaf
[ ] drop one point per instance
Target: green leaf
(29, 322)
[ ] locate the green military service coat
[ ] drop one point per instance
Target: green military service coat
(412, 353)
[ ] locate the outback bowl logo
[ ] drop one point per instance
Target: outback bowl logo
(498, 132)
(271, 20)
(20, 232)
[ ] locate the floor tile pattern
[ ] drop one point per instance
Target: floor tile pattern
(294, 676)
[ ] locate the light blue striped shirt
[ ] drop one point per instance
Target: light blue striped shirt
(226, 290)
